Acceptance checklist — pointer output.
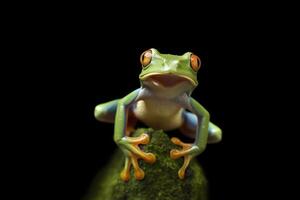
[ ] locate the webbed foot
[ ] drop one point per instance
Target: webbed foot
(130, 146)
(188, 151)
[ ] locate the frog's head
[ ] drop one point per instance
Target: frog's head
(169, 72)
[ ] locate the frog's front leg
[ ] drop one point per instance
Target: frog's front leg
(130, 145)
(189, 151)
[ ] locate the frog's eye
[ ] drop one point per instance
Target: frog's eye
(195, 62)
(146, 58)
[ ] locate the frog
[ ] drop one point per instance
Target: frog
(162, 102)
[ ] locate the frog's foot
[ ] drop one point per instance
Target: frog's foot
(188, 151)
(133, 153)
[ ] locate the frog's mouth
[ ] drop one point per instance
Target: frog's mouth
(167, 80)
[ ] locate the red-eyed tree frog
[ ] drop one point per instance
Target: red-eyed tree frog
(163, 102)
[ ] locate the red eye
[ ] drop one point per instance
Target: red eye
(195, 62)
(146, 58)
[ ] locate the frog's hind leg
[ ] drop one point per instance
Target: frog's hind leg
(106, 112)
(214, 133)
(190, 124)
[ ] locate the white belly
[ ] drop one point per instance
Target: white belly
(159, 114)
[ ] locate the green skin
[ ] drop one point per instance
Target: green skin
(162, 102)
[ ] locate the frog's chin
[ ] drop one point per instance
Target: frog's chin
(167, 80)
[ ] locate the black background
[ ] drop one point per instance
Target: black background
(62, 63)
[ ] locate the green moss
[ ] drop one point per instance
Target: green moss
(161, 181)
